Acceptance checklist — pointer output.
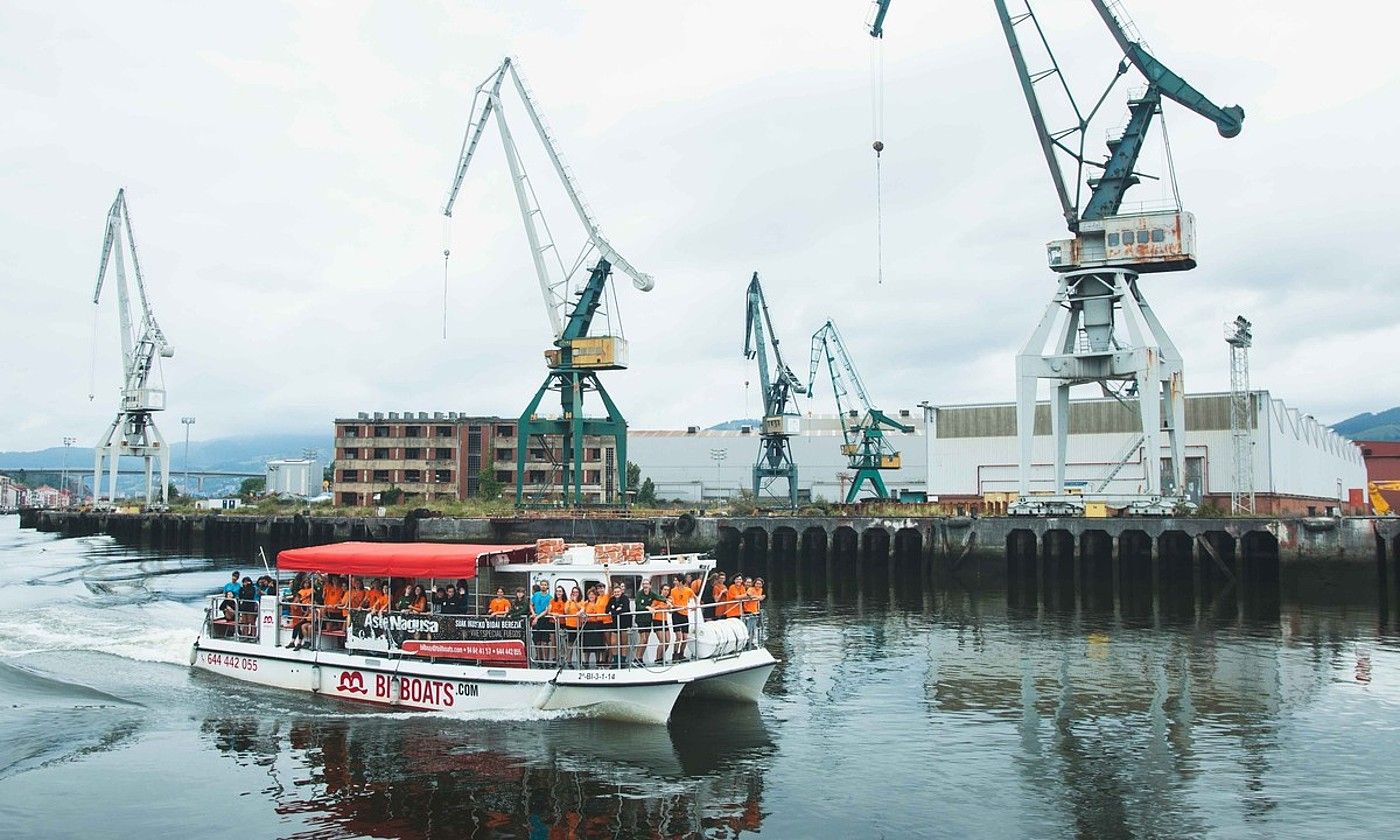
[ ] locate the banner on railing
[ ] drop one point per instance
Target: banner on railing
(477, 637)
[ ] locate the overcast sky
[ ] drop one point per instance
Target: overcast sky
(285, 167)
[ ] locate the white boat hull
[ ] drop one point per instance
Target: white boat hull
(641, 694)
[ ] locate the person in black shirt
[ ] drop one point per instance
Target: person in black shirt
(451, 603)
(620, 608)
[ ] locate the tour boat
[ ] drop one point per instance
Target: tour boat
(437, 661)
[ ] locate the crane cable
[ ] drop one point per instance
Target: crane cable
(446, 254)
(877, 129)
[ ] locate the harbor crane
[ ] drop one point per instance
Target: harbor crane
(1098, 328)
(575, 294)
(867, 449)
(134, 431)
(778, 385)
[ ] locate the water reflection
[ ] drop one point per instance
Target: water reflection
(419, 776)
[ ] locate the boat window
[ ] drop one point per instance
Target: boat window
(1159, 235)
(1113, 240)
(1142, 237)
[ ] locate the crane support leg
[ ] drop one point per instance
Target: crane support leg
(571, 430)
(1099, 330)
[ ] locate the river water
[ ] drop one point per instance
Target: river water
(906, 709)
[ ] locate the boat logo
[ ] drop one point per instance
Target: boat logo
(352, 681)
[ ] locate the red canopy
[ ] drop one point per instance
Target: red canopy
(402, 560)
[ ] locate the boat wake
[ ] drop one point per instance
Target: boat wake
(154, 631)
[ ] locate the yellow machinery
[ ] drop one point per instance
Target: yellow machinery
(1379, 505)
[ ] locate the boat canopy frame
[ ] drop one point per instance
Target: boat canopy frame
(445, 561)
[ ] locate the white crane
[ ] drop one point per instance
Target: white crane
(134, 431)
(573, 294)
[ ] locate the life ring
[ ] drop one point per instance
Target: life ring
(685, 524)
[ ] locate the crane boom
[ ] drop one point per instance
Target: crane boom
(879, 8)
(555, 286)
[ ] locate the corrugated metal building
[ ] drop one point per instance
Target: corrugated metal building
(1299, 464)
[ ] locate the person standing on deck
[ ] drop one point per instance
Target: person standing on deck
(620, 610)
(229, 606)
(681, 600)
(573, 630)
(736, 596)
(644, 621)
(500, 605)
(718, 592)
(661, 622)
(754, 591)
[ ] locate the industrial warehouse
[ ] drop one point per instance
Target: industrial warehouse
(1300, 465)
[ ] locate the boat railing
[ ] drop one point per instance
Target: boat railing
(226, 617)
(647, 638)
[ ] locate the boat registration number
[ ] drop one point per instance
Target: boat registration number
(237, 663)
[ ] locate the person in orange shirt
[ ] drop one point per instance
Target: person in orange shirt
(596, 633)
(334, 593)
(500, 605)
(358, 597)
(301, 614)
(379, 600)
(736, 595)
(661, 622)
(754, 588)
(573, 632)
(718, 591)
(681, 600)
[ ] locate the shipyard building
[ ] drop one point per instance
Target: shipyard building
(970, 460)
(441, 456)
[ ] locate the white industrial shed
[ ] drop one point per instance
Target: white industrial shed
(1299, 464)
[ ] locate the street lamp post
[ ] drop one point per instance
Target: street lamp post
(188, 421)
(930, 431)
(63, 478)
(718, 456)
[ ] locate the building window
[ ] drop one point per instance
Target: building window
(594, 454)
(413, 453)
(1142, 237)
(442, 454)
(1113, 240)
(505, 431)
(381, 452)
(381, 431)
(534, 477)
(505, 476)
(350, 431)
(349, 475)
(413, 431)
(504, 454)
(592, 476)
(442, 476)
(413, 476)
(537, 454)
(443, 431)
(350, 499)
(381, 475)
(350, 454)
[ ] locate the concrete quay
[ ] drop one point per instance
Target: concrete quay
(985, 544)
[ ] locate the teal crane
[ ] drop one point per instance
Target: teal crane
(863, 430)
(778, 384)
(572, 305)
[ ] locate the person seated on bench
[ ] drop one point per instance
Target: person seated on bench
(334, 616)
(229, 606)
(301, 615)
(247, 607)
(379, 601)
(500, 605)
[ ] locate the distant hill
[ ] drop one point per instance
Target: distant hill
(735, 425)
(1368, 426)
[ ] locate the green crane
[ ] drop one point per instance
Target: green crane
(867, 449)
(572, 305)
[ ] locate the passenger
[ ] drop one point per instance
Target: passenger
(620, 611)
(644, 620)
(735, 596)
(439, 598)
(247, 608)
(301, 614)
(266, 586)
(596, 637)
(405, 598)
(754, 591)
(229, 605)
(719, 592)
(379, 601)
(556, 617)
(500, 605)
(681, 599)
(334, 616)
(419, 604)
(661, 622)
(541, 623)
(519, 606)
(451, 602)
(573, 629)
